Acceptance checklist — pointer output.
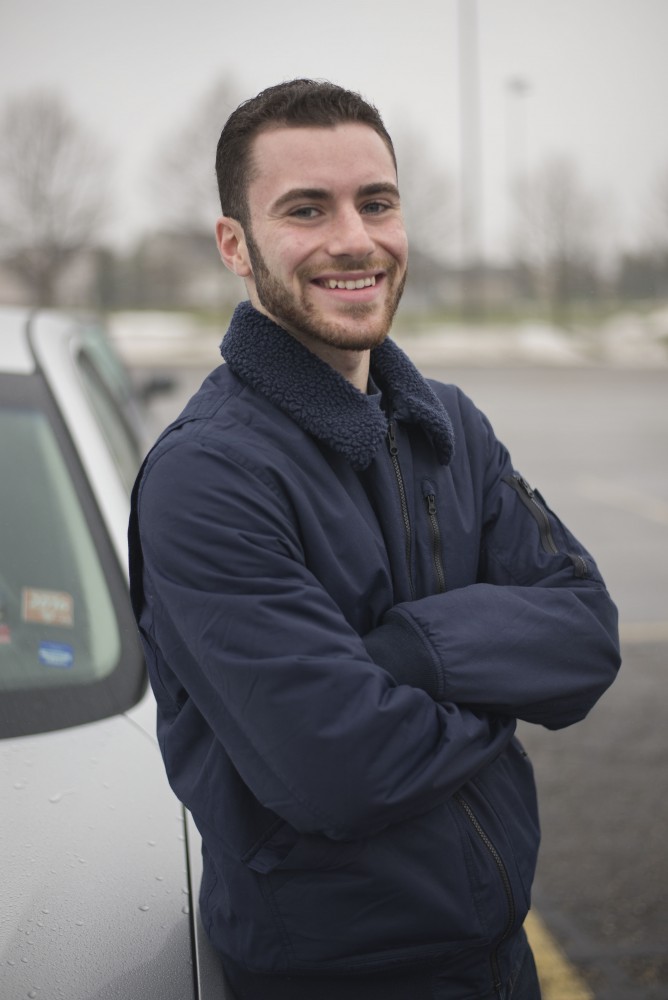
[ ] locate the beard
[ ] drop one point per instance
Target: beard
(301, 317)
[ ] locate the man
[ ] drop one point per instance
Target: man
(347, 598)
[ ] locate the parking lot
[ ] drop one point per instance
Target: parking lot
(593, 440)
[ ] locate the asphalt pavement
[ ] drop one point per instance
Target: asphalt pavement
(593, 440)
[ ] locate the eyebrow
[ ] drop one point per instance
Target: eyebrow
(322, 194)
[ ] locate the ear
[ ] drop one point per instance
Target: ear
(231, 243)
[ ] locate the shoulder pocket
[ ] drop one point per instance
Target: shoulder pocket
(537, 507)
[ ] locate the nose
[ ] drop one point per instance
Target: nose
(349, 236)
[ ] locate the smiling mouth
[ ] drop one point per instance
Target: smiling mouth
(350, 284)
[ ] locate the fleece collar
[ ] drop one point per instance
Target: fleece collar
(321, 401)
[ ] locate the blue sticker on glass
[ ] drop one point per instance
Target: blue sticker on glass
(56, 654)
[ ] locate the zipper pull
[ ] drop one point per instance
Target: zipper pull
(392, 440)
(431, 504)
(525, 486)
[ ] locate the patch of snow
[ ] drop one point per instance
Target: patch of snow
(144, 339)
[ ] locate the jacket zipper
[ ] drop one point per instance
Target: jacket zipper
(430, 500)
(537, 510)
(394, 456)
(505, 881)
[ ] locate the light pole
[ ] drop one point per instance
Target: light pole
(518, 90)
(471, 242)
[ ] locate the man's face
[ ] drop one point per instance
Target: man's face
(326, 242)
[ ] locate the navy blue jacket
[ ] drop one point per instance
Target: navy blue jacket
(344, 612)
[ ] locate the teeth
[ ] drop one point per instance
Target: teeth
(350, 285)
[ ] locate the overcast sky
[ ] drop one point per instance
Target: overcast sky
(596, 72)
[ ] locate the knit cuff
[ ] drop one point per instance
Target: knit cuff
(398, 647)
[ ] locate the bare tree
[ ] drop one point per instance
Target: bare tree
(558, 232)
(662, 204)
(427, 196)
(183, 176)
(656, 215)
(53, 191)
(427, 199)
(185, 194)
(649, 265)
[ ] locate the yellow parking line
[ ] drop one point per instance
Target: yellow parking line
(558, 978)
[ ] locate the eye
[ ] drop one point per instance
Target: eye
(375, 207)
(305, 212)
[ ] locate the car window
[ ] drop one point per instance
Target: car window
(67, 653)
(113, 424)
(105, 359)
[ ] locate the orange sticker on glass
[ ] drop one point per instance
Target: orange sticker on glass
(47, 607)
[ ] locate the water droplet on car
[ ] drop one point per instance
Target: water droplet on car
(185, 909)
(144, 908)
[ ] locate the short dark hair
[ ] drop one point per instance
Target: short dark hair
(296, 103)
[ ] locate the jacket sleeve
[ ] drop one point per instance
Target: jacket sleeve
(243, 638)
(536, 637)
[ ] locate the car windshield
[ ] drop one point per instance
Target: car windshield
(52, 587)
(66, 653)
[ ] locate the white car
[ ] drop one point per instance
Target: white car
(100, 862)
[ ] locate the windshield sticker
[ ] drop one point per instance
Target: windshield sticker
(47, 607)
(56, 654)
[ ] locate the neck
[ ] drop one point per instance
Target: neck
(353, 365)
